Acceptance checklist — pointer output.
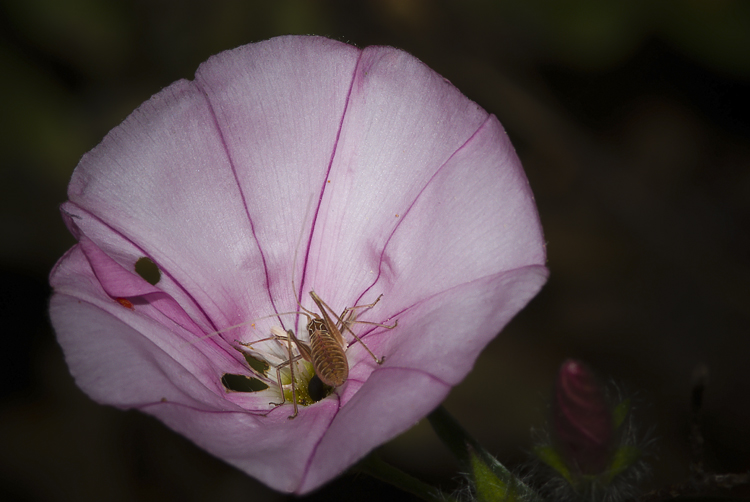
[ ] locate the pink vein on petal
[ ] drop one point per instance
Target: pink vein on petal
(325, 178)
(436, 293)
(311, 456)
(220, 132)
(406, 214)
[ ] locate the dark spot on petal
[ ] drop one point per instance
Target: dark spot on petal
(242, 383)
(256, 364)
(148, 270)
(317, 389)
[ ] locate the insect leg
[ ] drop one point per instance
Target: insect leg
(290, 335)
(345, 324)
(289, 362)
(349, 316)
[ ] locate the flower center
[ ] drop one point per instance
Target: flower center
(289, 376)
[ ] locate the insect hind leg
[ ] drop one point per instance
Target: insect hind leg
(349, 317)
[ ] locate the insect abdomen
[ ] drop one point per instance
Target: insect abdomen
(328, 359)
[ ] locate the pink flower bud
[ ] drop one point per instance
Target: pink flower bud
(583, 427)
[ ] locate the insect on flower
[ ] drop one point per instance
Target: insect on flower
(326, 349)
(208, 179)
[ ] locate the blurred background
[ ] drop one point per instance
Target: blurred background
(631, 119)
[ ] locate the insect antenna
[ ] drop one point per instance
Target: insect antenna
(245, 323)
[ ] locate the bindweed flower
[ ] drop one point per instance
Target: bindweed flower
(287, 166)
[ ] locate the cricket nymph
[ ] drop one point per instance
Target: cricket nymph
(325, 349)
(327, 354)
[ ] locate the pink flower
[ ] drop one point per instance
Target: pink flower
(390, 181)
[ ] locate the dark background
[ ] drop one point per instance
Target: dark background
(632, 122)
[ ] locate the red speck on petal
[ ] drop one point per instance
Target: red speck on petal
(125, 303)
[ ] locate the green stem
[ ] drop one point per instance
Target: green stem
(379, 469)
(453, 436)
(492, 480)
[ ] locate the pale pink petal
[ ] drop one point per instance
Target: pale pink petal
(121, 356)
(373, 417)
(162, 181)
(273, 449)
(402, 124)
(118, 357)
(279, 119)
(421, 366)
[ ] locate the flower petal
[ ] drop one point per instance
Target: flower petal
(272, 449)
(444, 334)
(113, 360)
(121, 356)
(475, 218)
(373, 417)
(403, 122)
(280, 119)
(438, 348)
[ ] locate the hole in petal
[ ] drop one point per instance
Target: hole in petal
(256, 364)
(148, 270)
(242, 383)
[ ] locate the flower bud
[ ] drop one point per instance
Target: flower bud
(583, 427)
